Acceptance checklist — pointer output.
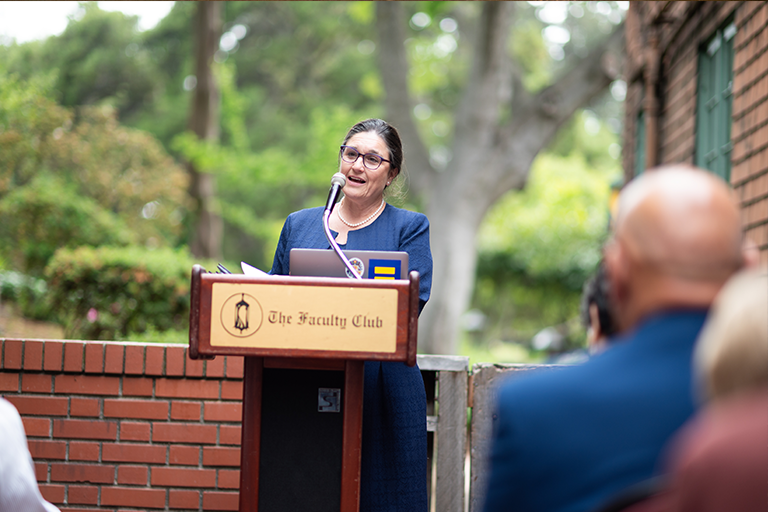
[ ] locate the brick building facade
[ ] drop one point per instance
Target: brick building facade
(697, 92)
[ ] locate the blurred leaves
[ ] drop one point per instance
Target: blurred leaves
(538, 246)
(106, 293)
(92, 133)
(78, 177)
(48, 214)
(127, 172)
(29, 119)
(554, 227)
(29, 293)
(99, 59)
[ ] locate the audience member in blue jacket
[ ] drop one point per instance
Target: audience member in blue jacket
(394, 451)
(569, 440)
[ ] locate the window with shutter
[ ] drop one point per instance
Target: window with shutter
(640, 143)
(714, 96)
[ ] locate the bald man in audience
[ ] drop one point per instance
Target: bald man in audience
(569, 440)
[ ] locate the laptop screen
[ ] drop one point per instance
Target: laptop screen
(370, 264)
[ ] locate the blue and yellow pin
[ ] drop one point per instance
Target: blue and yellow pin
(384, 269)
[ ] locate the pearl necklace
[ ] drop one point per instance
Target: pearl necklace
(363, 222)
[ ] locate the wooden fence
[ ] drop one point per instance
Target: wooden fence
(460, 408)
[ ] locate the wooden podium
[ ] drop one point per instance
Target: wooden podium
(305, 342)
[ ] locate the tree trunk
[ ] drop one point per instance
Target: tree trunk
(490, 157)
(204, 122)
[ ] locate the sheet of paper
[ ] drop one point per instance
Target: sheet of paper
(250, 270)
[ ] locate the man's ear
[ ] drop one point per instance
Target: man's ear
(594, 323)
(617, 268)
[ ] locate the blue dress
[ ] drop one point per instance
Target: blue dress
(394, 451)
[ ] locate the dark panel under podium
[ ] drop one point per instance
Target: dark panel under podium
(301, 440)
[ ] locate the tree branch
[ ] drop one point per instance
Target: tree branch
(587, 77)
(536, 121)
(393, 64)
(489, 81)
(520, 95)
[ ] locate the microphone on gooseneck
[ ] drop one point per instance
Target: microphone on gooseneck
(337, 183)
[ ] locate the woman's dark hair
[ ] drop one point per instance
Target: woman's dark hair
(388, 134)
(597, 292)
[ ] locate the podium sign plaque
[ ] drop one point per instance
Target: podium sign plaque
(328, 318)
(305, 341)
(304, 317)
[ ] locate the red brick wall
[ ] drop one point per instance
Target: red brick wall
(123, 426)
(682, 28)
(749, 133)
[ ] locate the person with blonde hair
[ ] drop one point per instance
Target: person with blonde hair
(732, 352)
(719, 460)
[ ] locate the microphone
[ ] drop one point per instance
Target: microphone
(337, 183)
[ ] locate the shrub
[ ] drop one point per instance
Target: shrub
(29, 293)
(108, 292)
(47, 214)
(123, 171)
(127, 172)
(29, 118)
(154, 336)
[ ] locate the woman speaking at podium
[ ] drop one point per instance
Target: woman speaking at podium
(394, 450)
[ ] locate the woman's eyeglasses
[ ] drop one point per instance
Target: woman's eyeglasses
(371, 161)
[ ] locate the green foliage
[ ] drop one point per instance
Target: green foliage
(530, 51)
(99, 59)
(440, 57)
(48, 214)
(28, 292)
(439, 60)
(289, 90)
(152, 335)
(536, 249)
(29, 120)
(108, 292)
(586, 24)
(553, 229)
(300, 77)
(497, 351)
(170, 47)
(77, 180)
(126, 171)
(517, 307)
(259, 189)
(302, 54)
(124, 178)
(233, 104)
(587, 134)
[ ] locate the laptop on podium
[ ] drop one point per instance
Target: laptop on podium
(370, 264)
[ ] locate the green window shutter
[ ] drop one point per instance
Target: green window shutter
(714, 94)
(640, 143)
